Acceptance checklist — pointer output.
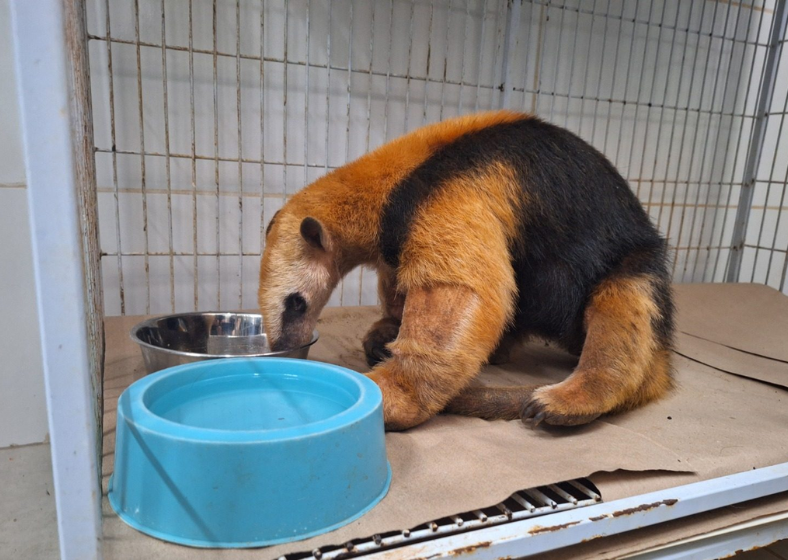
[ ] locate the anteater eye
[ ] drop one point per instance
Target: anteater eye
(295, 303)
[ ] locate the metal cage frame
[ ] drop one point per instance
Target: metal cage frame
(53, 42)
(209, 114)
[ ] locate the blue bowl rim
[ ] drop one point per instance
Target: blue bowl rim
(131, 404)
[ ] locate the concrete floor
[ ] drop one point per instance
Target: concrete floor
(28, 523)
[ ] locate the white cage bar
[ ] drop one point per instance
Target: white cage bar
(203, 127)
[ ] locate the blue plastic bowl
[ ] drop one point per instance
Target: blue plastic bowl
(248, 452)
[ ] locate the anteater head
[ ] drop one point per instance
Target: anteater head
(297, 275)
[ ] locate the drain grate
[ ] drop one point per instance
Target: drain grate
(532, 502)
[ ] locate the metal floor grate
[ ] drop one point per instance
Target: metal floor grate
(532, 502)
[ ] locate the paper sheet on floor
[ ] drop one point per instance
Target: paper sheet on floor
(714, 424)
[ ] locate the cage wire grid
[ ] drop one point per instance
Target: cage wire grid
(209, 114)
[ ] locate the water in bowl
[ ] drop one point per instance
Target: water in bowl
(251, 402)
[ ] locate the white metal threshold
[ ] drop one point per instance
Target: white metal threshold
(533, 536)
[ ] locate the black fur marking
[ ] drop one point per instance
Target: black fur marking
(271, 223)
(580, 223)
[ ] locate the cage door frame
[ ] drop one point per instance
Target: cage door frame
(53, 118)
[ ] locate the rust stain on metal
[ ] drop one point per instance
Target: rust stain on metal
(598, 518)
(592, 538)
(537, 530)
(644, 507)
(742, 551)
(470, 549)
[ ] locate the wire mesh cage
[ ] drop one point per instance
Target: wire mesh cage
(209, 114)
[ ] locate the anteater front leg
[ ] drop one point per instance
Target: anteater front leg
(385, 330)
(624, 362)
(447, 333)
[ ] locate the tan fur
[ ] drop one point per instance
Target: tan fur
(348, 200)
(348, 203)
(294, 266)
(435, 355)
(466, 215)
(443, 316)
(446, 333)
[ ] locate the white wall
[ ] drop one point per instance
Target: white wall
(22, 403)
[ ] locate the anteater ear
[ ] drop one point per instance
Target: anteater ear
(314, 233)
(271, 223)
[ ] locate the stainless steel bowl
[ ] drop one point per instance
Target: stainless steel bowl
(191, 337)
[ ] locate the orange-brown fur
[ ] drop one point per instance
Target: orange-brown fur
(447, 333)
(444, 316)
(621, 365)
(348, 200)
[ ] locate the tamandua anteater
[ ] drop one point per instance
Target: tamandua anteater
(483, 229)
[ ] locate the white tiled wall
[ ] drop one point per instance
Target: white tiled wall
(650, 83)
(22, 405)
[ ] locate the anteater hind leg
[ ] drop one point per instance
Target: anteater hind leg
(623, 363)
(447, 333)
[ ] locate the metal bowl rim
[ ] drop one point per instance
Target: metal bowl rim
(151, 323)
